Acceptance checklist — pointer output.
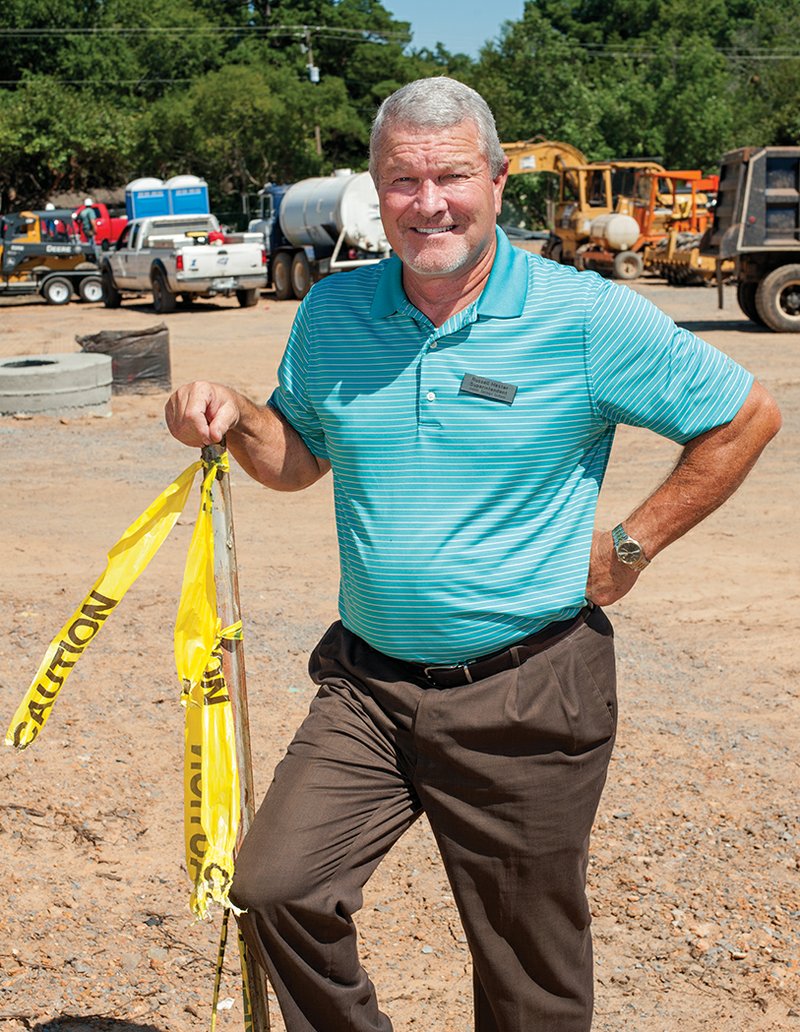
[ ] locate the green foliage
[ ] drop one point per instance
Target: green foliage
(54, 138)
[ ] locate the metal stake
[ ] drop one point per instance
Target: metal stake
(226, 579)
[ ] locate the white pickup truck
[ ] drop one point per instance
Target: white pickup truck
(183, 256)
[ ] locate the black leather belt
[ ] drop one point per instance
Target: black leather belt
(513, 656)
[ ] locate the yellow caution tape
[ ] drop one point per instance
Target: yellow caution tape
(196, 624)
(211, 783)
(210, 774)
(126, 560)
(211, 779)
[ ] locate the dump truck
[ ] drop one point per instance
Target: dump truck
(44, 252)
(757, 226)
(319, 226)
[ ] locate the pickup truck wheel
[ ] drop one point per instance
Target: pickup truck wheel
(111, 296)
(90, 289)
(301, 275)
(778, 299)
(746, 296)
(163, 298)
(627, 265)
(247, 298)
(56, 290)
(282, 276)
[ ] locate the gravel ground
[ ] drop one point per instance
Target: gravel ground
(694, 871)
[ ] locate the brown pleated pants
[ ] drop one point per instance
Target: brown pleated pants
(509, 771)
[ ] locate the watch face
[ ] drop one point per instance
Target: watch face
(629, 552)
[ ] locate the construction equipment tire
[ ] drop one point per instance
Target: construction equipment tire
(282, 276)
(90, 289)
(555, 249)
(778, 299)
(627, 265)
(56, 290)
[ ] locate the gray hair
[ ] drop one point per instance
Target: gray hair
(437, 103)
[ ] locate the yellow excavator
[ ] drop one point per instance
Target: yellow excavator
(587, 212)
(540, 155)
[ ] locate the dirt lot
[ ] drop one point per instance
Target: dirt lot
(694, 876)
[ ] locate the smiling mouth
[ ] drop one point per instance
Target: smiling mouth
(433, 230)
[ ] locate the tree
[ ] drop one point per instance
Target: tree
(72, 144)
(238, 128)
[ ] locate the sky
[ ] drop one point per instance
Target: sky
(461, 25)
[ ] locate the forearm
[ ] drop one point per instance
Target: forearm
(271, 451)
(711, 468)
(261, 440)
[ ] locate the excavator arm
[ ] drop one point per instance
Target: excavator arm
(538, 155)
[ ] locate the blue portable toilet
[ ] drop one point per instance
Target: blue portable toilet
(146, 197)
(188, 195)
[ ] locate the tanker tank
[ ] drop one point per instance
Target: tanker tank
(340, 208)
(619, 232)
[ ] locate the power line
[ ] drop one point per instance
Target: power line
(210, 30)
(300, 32)
(97, 82)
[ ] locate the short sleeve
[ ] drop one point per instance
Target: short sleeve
(292, 396)
(644, 370)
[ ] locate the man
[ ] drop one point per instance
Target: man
(465, 395)
(88, 218)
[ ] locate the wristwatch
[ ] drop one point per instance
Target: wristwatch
(628, 551)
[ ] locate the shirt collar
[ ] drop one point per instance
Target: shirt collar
(506, 289)
(503, 296)
(389, 296)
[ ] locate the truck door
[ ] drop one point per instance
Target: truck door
(139, 261)
(120, 258)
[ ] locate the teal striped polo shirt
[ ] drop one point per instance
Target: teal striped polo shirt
(465, 508)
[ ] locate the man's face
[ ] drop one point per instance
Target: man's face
(438, 200)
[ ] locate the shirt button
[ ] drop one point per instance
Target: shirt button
(434, 345)
(430, 396)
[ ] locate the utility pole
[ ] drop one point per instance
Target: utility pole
(313, 75)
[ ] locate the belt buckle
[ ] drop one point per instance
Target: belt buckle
(446, 669)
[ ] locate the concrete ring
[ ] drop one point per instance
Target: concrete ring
(55, 384)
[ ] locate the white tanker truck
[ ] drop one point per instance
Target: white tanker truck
(319, 226)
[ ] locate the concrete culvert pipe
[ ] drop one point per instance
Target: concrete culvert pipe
(55, 384)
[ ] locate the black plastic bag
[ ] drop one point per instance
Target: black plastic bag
(139, 358)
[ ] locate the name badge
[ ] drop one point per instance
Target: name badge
(494, 390)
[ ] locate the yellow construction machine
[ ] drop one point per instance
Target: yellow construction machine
(540, 155)
(588, 213)
(44, 252)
